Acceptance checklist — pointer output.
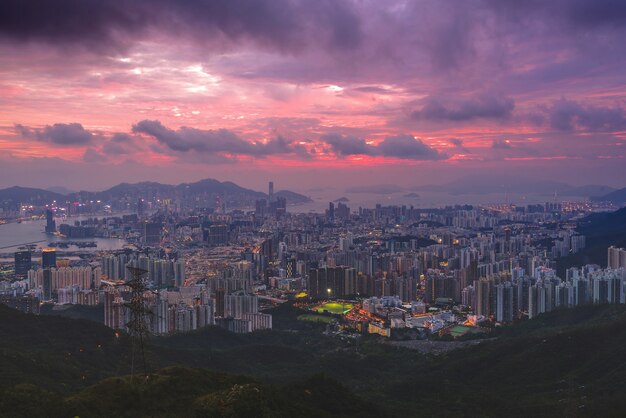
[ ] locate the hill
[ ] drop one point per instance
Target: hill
(57, 353)
(617, 197)
(558, 368)
(588, 190)
(293, 197)
(564, 363)
(205, 191)
(183, 392)
(473, 184)
(601, 231)
(16, 195)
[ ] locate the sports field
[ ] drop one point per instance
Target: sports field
(460, 330)
(314, 318)
(335, 308)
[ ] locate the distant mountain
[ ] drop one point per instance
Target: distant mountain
(60, 190)
(601, 231)
(293, 197)
(617, 197)
(133, 191)
(482, 185)
(376, 189)
(341, 200)
(28, 195)
(588, 190)
(204, 192)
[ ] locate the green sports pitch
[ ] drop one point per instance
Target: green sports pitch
(335, 308)
(315, 318)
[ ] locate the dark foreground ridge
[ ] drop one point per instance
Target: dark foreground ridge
(565, 363)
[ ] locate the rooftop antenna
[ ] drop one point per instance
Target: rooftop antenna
(137, 325)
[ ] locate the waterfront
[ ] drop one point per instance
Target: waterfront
(14, 235)
(423, 200)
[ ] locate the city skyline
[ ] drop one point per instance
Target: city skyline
(348, 94)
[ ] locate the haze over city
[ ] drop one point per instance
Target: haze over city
(343, 93)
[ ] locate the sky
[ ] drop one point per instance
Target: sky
(312, 93)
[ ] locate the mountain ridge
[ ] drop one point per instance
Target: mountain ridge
(617, 197)
(542, 366)
(146, 189)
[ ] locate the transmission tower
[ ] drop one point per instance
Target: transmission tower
(138, 324)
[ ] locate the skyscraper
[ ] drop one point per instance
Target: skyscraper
(219, 302)
(616, 257)
(51, 225)
(271, 191)
(48, 258)
(152, 233)
(22, 262)
(330, 213)
(47, 284)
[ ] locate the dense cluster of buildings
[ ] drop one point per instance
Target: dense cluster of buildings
(208, 266)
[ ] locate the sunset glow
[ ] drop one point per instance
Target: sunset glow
(420, 92)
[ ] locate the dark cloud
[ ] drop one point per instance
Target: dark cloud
(114, 148)
(499, 144)
(104, 24)
(221, 141)
(400, 146)
(347, 145)
(568, 115)
(66, 134)
(456, 142)
(121, 138)
(93, 23)
(408, 147)
(484, 106)
(372, 89)
(459, 145)
(575, 13)
(93, 156)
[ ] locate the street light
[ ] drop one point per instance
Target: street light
(329, 290)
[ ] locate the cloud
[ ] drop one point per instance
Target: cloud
(458, 145)
(575, 13)
(113, 25)
(408, 147)
(114, 148)
(220, 141)
(400, 146)
(121, 138)
(483, 106)
(499, 144)
(456, 142)
(93, 156)
(64, 134)
(347, 145)
(568, 115)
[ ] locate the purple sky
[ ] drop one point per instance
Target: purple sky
(341, 93)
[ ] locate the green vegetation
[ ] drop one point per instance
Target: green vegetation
(463, 330)
(315, 318)
(565, 363)
(337, 308)
(92, 313)
(182, 392)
